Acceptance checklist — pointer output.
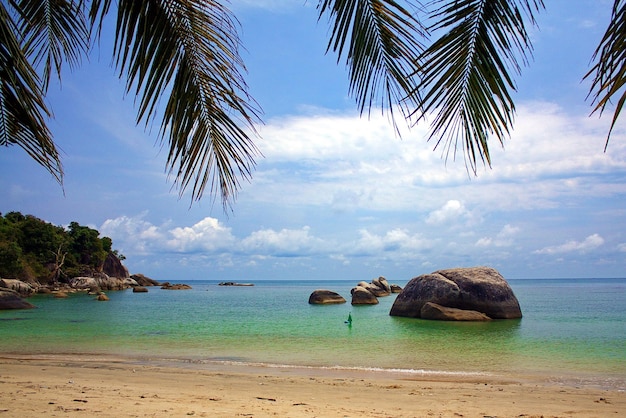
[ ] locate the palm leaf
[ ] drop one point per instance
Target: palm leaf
(189, 50)
(382, 38)
(22, 107)
(610, 66)
(54, 31)
(465, 74)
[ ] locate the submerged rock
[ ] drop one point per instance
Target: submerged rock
(480, 289)
(325, 297)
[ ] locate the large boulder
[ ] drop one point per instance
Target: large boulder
(144, 280)
(442, 313)
(113, 267)
(325, 297)
(480, 289)
(24, 289)
(362, 296)
(10, 299)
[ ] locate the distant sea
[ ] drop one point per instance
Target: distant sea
(572, 330)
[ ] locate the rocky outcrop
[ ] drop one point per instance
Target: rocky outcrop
(144, 281)
(140, 289)
(175, 286)
(480, 289)
(102, 282)
(442, 313)
(362, 296)
(325, 297)
(102, 297)
(113, 267)
(10, 299)
(234, 284)
(23, 288)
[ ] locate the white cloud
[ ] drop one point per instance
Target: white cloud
(286, 242)
(504, 238)
(590, 243)
(206, 235)
(451, 212)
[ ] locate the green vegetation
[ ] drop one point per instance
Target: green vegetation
(34, 250)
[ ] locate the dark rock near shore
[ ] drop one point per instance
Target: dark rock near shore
(10, 299)
(325, 297)
(442, 313)
(234, 284)
(113, 267)
(480, 289)
(22, 288)
(140, 289)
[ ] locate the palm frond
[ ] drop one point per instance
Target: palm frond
(54, 31)
(465, 74)
(22, 107)
(382, 38)
(189, 49)
(609, 71)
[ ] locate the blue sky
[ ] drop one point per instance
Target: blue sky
(337, 196)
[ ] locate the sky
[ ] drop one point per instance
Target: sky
(336, 195)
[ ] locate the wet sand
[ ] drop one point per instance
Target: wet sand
(95, 386)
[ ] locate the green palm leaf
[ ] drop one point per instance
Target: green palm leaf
(54, 31)
(22, 108)
(610, 66)
(465, 77)
(189, 50)
(382, 38)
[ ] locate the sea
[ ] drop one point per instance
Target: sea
(573, 331)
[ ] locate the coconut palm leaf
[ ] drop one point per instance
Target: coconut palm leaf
(54, 31)
(609, 70)
(465, 74)
(23, 111)
(189, 51)
(382, 41)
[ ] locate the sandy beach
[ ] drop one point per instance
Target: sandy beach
(106, 387)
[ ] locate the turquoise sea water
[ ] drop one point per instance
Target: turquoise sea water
(572, 330)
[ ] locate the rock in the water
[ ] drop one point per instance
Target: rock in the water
(102, 297)
(325, 297)
(176, 286)
(10, 299)
(140, 289)
(395, 288)
(442, 313)
(480, 289)
(144, 281)
(362, 296)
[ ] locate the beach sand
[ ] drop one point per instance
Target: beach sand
(40, 386)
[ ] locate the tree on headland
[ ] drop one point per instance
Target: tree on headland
(34, 250)
(185, 53)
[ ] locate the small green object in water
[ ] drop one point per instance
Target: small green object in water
(349, 321)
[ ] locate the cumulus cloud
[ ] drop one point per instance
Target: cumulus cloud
(590, 243)
(283, 243)
(452, 211)
(206, 235)
(504, 238)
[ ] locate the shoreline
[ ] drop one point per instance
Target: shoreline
(103, 386)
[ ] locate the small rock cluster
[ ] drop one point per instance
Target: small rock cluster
(362, 294)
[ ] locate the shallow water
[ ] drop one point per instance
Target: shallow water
(571, 329)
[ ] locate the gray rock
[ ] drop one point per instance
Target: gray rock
(10, 299)
(23, 288)
(325, 297)
(442, 313)
(362, 296)
(480, 289)
(144, 281)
